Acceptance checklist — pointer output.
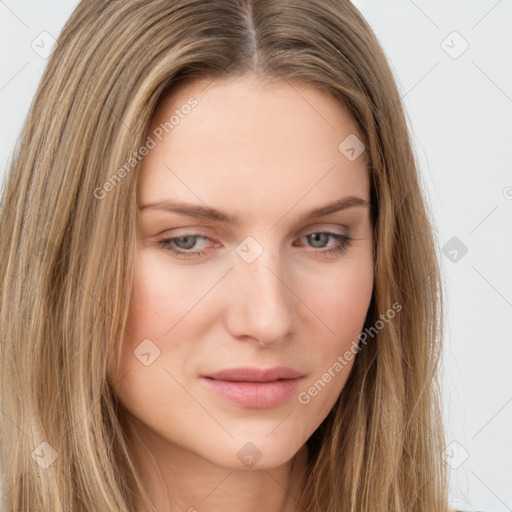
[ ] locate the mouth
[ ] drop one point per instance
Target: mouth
(252, 374)
(254, 395)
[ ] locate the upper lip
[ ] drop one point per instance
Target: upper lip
(251, 374)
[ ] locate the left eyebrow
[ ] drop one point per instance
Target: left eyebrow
(206, 212)
(335, 206)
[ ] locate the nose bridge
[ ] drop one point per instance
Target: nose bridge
(263, 302)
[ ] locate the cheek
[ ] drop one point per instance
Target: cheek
(341, 295)
(340, 299)
(163, 294)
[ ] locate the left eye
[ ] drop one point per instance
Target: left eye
(187, 242)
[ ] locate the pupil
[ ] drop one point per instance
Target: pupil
(190, 239)
(316, 236)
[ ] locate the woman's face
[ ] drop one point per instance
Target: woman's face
(271, 287)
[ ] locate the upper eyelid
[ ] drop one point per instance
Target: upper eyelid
(319, 227)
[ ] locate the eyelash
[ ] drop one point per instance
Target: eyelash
(344, 242)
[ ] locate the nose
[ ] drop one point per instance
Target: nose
(261, 302)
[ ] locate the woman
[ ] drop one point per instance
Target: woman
(173, 336)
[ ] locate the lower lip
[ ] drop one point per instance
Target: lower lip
(254, 395)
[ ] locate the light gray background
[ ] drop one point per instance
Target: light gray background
(459, 107)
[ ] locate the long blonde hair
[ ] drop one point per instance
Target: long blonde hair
(67, 253)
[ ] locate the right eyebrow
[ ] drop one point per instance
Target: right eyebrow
(192, 210)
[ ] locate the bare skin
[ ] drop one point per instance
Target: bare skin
(266, 152)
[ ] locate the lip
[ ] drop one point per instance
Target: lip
(252, 374)
(254, 388)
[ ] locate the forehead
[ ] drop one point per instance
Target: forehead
(253, 144)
